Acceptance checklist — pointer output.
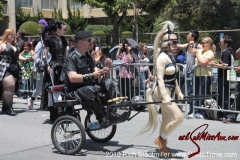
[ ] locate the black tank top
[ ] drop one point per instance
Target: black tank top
(9, 53)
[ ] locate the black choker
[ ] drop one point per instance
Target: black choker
(57, 35)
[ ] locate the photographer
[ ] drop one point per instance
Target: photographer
(125, 73)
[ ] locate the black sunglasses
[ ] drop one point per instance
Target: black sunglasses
(174, 41)
(13, 35)
(202, 42)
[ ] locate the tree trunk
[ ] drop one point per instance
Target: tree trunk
(115, 33)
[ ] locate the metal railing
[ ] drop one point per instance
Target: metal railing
(211, 91)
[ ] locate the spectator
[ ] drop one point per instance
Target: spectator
(20, 41)
(179, 56)
(125, 73)
(192, 38)
(144, 70)
(103, 56)
(10, 76)
(71, 44)
(38, 56)
(203, 74)
(92, 48)
(26, 67)
(237, 93)
(223, 84)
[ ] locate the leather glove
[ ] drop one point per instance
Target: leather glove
(179, 94)
(166, 99)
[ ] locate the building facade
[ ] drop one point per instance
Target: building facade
(47, 7)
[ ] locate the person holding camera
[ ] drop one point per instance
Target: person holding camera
(125, 73)
(38, 62)
(81, 74)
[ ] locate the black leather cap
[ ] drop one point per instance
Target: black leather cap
(82, 34)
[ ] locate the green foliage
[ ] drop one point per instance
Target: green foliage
(153, 7)
(37, 16)
(126, 34)
(127, 24)
(30, 27)
(75, 20)
(157, 25)
(99, 35)
(94, 28)
(1, 11)
(108, 29)
(205, 14)
(57, 14)
(22, 17)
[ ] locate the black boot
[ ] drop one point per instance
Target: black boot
(53, 113)
(9, 111)
(4, 109)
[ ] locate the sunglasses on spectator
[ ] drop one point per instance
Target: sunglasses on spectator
(175, 42)
(13, 35)
(221, 42)
(202, 42)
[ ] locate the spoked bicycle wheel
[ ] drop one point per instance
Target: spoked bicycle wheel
(102, 135)
(68, 135)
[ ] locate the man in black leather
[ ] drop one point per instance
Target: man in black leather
(81, 74)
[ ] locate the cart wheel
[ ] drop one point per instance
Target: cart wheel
(103, 135)
(68, 135)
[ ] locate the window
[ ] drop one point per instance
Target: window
(75, 5)
(24, 3)
(49, 4)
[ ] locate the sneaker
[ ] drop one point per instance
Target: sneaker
(30, 103)
(190, 116)
(199, 116)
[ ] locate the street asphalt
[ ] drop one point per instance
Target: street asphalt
(27, 136)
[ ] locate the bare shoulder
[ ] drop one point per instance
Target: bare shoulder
(2, 46)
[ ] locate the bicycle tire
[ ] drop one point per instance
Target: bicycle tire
(64, 124)
(93, 134)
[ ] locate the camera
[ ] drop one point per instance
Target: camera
(99, 65)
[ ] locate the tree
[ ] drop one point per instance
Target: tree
(75, 20)
(116, 10)
(37, 16)
(21, 17)
(204, 14)
(57, 14)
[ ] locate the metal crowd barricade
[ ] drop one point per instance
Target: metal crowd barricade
(135, 82)
(228, 105)
(28, 85)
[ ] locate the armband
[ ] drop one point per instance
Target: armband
(87, 77)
